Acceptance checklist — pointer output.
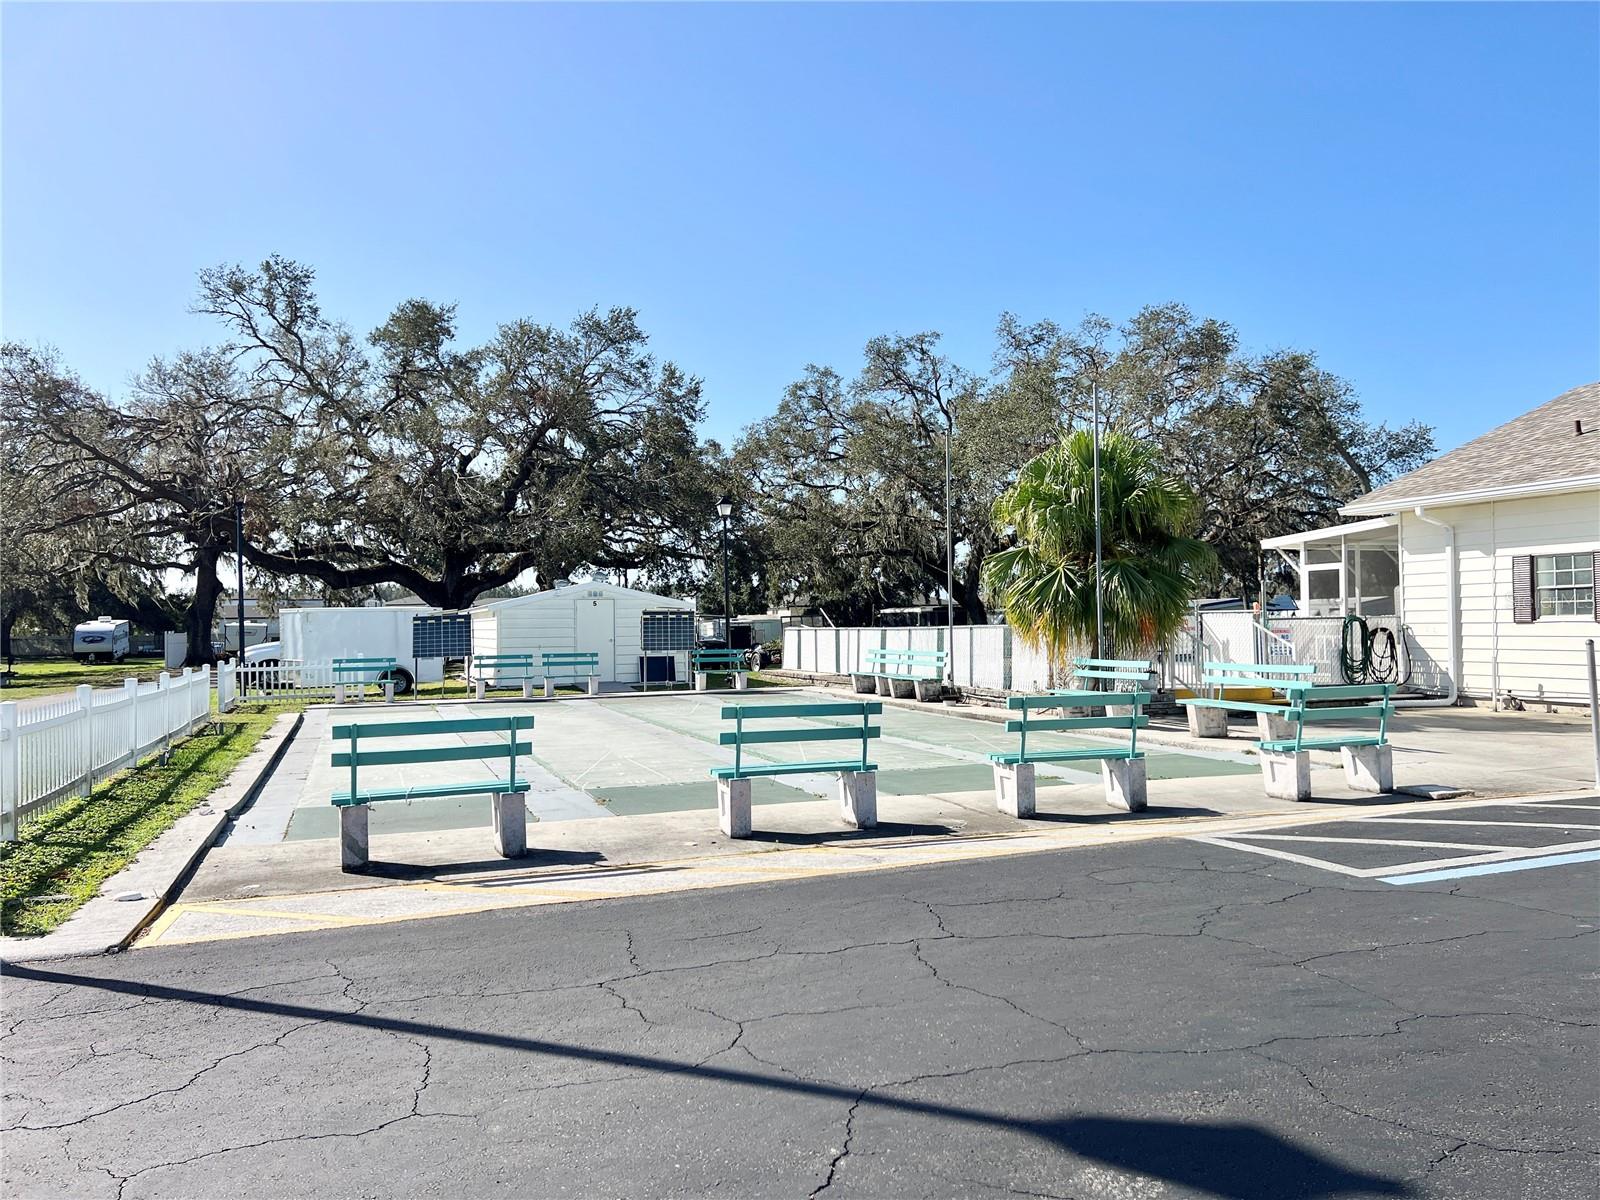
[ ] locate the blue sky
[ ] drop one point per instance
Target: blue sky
(1413, 192)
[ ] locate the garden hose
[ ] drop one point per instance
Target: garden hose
(1368, 655)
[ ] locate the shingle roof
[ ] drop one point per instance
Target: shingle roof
(1539, 448)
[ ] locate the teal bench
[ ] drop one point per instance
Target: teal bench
(506, 669)
(1368, 758)
(571, 664)
(730, 662)
(858, 776)
(362, 671)
(1117, 672)
(903, 674)
(1122, 767)
(510, 813)
(1208, 715)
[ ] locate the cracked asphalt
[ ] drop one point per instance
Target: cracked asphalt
(1167, 1019)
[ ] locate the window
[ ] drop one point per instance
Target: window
(1563, 585)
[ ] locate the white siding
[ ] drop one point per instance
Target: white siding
(1497, 654)
(546, 622)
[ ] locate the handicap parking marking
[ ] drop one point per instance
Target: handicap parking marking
(1484, 857)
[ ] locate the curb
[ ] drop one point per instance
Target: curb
(105, 925)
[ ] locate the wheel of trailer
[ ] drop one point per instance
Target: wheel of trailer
(403, 681)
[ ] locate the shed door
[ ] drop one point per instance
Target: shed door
(596, 629)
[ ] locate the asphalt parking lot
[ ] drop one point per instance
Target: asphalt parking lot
(1164, 1019)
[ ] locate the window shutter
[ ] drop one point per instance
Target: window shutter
(1523, 608)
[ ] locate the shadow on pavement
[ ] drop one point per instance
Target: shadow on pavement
(1233, 1161)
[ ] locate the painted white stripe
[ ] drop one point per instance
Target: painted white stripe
(1527, 864)
(1594, 808)
(1303, 860)
(1474, 859)
(1355, 841)
(1492, 824)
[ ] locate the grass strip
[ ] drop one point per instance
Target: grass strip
(62, 858)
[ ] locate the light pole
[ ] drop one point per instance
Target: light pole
(725, 511)
(949, 557)
(1099, 588)
(238, 559)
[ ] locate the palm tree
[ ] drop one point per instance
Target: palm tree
(1045, 581)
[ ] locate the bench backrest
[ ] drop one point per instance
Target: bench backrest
(1310, 703)
(1260, 675)
(357, 733)
(1133, 720)
(720, 658)
(571, 662)
(362, 670)
(738, 737)
(502, 664)
(1121, 670)
(929, 662)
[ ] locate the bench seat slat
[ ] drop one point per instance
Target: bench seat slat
(429, 754)
(1354, 713)
(1121, 664)
(1133, 676)
(836, 708)
(827, 733)
(1247, 681)
(1057, 724)
(1266, 706)
(749, 771)
(1261, 668)
(1354, 691)
(372, 729)
(1073, 699)
(429, 791)
(1327, 743)
(1011, 757)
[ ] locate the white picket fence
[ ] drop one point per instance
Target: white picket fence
(51, 751)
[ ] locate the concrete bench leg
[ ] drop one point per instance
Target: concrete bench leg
(1207, 722)
(858, 798)
(733, 807)
(594, 685)
(1125, 783)
(1274, 728)
(928, 691)
(741, 681)
(1014, 789)
(865, 683)
(1368, 768)
(882, 683)
(388, 691)
(1286, 775)
(527, 689)
(702, 680)
(549, 688)
(338, 693)
(510, 825)
(903, 689)
(477, 688)
(353, 841)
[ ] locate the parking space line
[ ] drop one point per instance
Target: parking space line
(1355, 841)
(1287, 856)
(1494, 824)
(1526, 864)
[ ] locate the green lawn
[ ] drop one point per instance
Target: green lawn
(63, 857)
(40, 677)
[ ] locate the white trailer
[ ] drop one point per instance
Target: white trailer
(634, 634)
(320, 635)
(104, 639)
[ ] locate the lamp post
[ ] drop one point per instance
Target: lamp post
(1099, 587)
(725, 511)
(238, 559)
(949, 557)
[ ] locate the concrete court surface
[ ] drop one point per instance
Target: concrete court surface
(1156, 1021)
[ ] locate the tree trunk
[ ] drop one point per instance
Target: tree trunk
(7, 620)
(202, 612)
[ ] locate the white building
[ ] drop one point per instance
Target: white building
(622, 625)
(1486, 558)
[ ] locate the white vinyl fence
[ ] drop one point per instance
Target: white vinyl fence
(58, 749)
(288, 679)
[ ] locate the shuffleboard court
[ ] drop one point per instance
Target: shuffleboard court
(626, 756)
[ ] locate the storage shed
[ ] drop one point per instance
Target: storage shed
(632, 631)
